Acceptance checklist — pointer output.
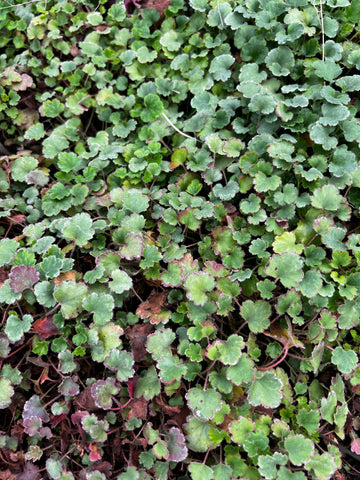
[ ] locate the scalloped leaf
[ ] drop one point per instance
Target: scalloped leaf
(204, 403)
(265, 390)
(22, 277)
(70, 295)
(102, 391)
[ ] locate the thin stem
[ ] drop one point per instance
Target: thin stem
(275, 362)
(177, 130)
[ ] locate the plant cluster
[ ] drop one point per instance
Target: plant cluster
(179, 262)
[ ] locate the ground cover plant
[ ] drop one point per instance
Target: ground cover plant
(179, 253)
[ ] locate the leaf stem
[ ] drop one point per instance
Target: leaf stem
(276, 362)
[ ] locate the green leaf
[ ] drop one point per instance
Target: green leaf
(153, 108)
(300, 449)
(196, 285)
(121, 363)
(158, 343)
(230, 351)
(240, 429)
(70, 295)
(323, 466)
(256, 314)
(220, 67)
(35, 132)
(6, 392)
(345, 360)
(280, 61)
(265, 390)
(198, 471)
(326, 198)
(198, 435)
(7, 250)
(15, 328)
(262, 103)
(204, 403)
(79, 228)
(21, 166)
(321, 136)
(51, 266)
(187, 217)
(310, 284)
(102, 391)
(148, 385)
(228, 192)
(51, 108)
(121, 282)
(171, 368)
(268, 463)
(287, 267)
(328, 69)
(101, 305)
(170, 40)
(242, 372)
(67, 364)
(286, 242)
(309, 420)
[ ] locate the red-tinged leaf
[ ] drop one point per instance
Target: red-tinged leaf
(58, 418)
(178, 158)
(77, 417)
(94, 454)
(22, 277)
(45, 327)
(355, 446)
(131, 386)
(176, 446)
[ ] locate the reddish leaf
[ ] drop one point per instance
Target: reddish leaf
(131, 386)
(77, 417)
(45, 327)
(355, 446)
(94, 454)
(22, 277)
(58, 418)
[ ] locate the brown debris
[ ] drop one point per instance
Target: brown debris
(138, 335)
